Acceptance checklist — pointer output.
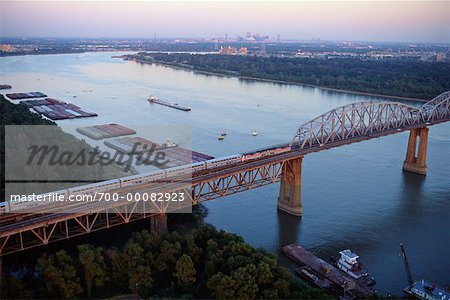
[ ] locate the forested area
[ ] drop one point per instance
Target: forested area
(402, 78)
(196, 261)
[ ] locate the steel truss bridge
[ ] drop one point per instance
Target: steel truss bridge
(340, 126)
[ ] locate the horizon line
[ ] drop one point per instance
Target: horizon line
(221, 38)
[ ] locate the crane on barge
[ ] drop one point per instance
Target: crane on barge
(405, 261)
(422, 289)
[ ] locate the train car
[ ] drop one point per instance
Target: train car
(198, 166)
(142, 178)
(102, 186)
(3, 207)
(274, 150)
(185, 170)
(223, 161)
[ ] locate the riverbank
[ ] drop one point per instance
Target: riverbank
(227, 73)
(193, 261)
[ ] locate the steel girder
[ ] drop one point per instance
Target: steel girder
(237, 182)
(365, 118)
(437, 108)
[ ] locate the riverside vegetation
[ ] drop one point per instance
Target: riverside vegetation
(193, 260)
(401, 78)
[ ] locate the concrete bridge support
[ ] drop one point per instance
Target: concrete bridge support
(290, 198)
(159, 223)
(417, 163)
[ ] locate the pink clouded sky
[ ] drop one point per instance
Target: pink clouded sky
(415, 21)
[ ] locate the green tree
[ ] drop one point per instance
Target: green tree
(141, 281)
(59, 275)
(185, 271)
(247, 287)
(93, 266)
(222, 286)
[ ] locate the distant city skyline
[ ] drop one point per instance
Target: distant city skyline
(399, 21)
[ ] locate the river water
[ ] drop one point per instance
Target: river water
(356, 196)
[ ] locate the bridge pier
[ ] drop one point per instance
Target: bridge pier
(290, 198)
(159, 223)
(417, 163)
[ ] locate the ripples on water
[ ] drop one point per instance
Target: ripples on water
(354, 197)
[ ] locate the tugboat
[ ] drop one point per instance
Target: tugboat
(349, 264)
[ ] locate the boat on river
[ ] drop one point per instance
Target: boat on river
(426, 290)
(349, 263)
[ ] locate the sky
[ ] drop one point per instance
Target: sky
(390, 21)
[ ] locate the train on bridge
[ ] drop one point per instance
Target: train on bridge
(340, 126)
(146, 178)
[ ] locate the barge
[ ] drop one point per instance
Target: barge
(56, 109)
(317, 281)
(18, 96)
(104, 131)
(341, 283)
(153, 99)
(425, 290)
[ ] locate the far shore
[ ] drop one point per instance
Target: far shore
(192, 68)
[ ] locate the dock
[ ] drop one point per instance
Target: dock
(152, 99)
(340, 280)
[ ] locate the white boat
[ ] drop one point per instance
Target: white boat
(168, 144)
(349, 264)
(255, 133)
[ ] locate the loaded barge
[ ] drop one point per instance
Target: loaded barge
(153, 99)
(326, 276)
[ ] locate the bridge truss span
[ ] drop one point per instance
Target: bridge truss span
(363, 119)
(438, 108)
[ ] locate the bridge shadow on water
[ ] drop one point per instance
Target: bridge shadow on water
(412, 192)
(288, 228)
